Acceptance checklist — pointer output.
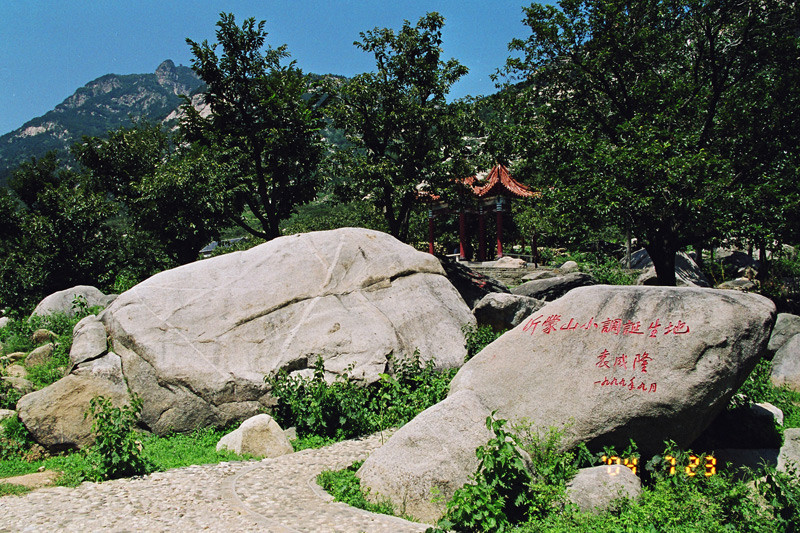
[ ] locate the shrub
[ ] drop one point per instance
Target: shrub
(346, 408)
(478, 338)
(345, 487)
(497, 497)
(15, 438)
(782, 492)
(116, 451)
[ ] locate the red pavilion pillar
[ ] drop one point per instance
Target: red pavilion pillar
(499, 226)
(462, 235)
(481, 234)
(430, 231)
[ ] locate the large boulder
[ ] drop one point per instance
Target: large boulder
(550, 289)
(786, 327)
(504, 311)
(55, 415)
(786, 365)
(687, 273)
(62, 301)
(471, 285)
(605, 365)
(197, 341)
(408, 469)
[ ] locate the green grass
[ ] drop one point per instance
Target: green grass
(345, 487)
(7, 489)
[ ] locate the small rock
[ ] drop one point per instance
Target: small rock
(510, 262)
(39, 356)
(259, 436)
(41, 336)
(594, 488)
(739, 284)
(539, 274)
(16, 371)
(569, 266)
(21, 385)
(504, 311)
(6, 413)
(13, 357)
(3, 321)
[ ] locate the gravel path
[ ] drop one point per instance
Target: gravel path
(275, 495)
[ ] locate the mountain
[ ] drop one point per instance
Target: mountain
(101, 105)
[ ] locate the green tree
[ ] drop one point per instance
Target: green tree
(263, 128)
(622, 107)
(399, 128)
(55, 234)
(166, 196)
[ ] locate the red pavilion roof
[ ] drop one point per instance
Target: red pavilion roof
(499, 181)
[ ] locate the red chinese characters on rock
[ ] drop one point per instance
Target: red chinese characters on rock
(630, 384)
(611, 326)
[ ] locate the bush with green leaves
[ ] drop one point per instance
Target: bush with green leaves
(782, 493)
(497, 496)
(14, 438)
(346, 408)
(117, 450)
(478, 338)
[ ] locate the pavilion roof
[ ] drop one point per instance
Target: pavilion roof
(499, 182)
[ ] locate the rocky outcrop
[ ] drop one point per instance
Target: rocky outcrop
(604, 365)
(550, 289)
(196, 342)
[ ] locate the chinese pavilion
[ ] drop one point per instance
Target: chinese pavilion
(493, 193)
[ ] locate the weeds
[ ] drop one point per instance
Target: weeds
(117, 451)
(478, 338)
(346, 408)
(345, 487)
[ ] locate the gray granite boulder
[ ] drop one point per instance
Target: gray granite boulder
(259, 436)
(687, 273)
(409, 469)
(790, 451)
(62, 301)
(604, 365)
(786, 365)
(504, 311)
(55, 414)
(593, 489)
(550, 289)
(196, 342)
(786, 327)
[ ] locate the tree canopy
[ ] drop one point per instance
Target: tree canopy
(631, 111)
(263, 128)
(400, 130)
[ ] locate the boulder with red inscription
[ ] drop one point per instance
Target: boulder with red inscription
(608, 364)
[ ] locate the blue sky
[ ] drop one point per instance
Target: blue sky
(50, 48)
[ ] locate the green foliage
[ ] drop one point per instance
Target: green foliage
(345, 408)
(9, 396)
(179, 449)
(116, 452)
(497, 497)
(399, 128)
(758, 388)
(611, 273)
(345, 487)
(782, 492)
(686, 141)
(7, 489)
(326, 214)
(263, 128)
(478, 338)
(15, 438)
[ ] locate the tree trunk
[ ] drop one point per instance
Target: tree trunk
(763, 267)
(698, 254)
(663, 257)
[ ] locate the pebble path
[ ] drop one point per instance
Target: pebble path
(274, 495)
